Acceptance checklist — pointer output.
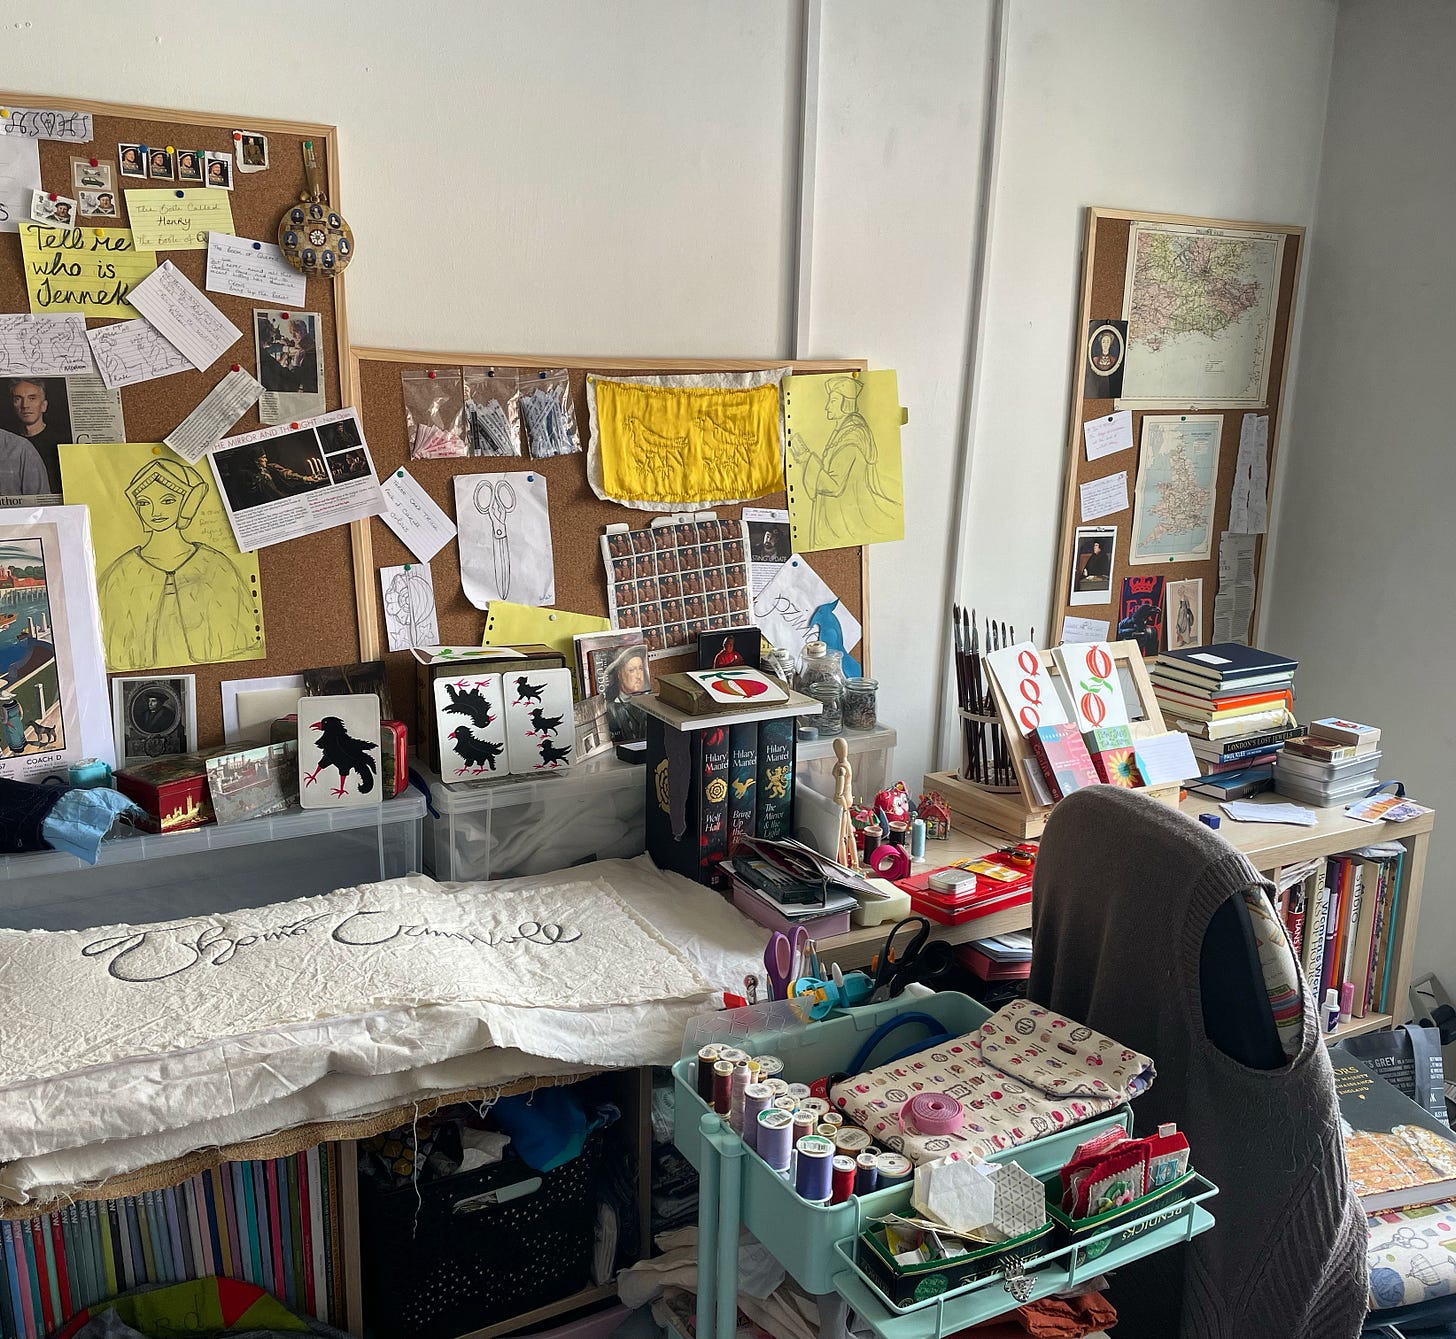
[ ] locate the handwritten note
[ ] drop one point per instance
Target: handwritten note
(133, 351)
(1248, 506)
(1084, 629)
(19, 177)
(1104, 436)
(43, 346)
(47, 123)
(89, 270)
(1103, 497)
(423, 528)
(249, 269)
(178, 220)
(224, 405)
(184, 316)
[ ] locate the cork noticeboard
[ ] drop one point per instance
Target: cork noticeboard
(308, 606)
(1104, 271)
(578, 516)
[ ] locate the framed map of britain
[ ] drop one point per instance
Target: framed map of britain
(1199, 304)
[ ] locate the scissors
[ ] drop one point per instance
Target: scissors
(922, 959)
(782, 958)
(498, 500)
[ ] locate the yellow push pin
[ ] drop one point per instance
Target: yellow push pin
(170, 149)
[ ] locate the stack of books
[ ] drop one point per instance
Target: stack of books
(1342, 916)
(1236, 704)
(1333, 763)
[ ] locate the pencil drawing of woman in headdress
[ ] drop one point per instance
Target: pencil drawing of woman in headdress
(170, 600)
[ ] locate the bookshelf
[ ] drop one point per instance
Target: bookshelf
(1269, 847)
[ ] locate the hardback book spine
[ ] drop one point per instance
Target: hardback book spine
(1038, 749)
(742, 780)
(775, 778)
(10, 1294)
(1386, 1003)
(1350, 936)
(713, 801)
(305, 1219)
(36, 1271)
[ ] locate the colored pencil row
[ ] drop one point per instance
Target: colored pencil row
(274, 1223)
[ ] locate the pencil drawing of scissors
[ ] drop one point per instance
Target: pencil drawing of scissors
(494, 501)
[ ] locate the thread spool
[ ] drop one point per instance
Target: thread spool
(757, 1098)
(917, 839)
(732, 1053)
(770, 1066)
(708, 1056)
(722, 1086)
(851, 1139)
(799, 1090)
(742, 1077)
(780, 1087)
(831, 1118)
(828, 1131)
(895, 1168)
(813, 1168)
(866, 1173)
(841, 1179)
(776, 1139)
(815, 1106)
(804, 1124)
(786, 1103)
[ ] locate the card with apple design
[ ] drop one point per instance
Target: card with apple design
(738, 686)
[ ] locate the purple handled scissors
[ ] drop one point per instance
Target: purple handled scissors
(782, 958)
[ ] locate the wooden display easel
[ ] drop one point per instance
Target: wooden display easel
(1020, 813)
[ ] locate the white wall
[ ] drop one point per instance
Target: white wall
(620, 177)
(1361, 587)
(1184, 107)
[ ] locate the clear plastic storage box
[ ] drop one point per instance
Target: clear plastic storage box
(141, 878)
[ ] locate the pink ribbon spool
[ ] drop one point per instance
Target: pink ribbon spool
(933, 1113)
(889, 861)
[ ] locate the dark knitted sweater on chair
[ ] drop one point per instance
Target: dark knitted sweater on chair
(1125, 888)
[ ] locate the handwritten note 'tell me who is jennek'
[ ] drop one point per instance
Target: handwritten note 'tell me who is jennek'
(89, 270)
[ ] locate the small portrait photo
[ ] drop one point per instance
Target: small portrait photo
(253, 150)
(1106, 351)
(692, 583)
(189, 165)
(347, 466)
(664, 537)
(99, 204)
(641, 540)
(738, 601)
(667, 561)
(620, 676)
(626, 593)
(673, 611)
(154, 717)
(219, 171)
(654, 638)
(55, 211)
(341, 435)
(89, 174)
(732, 551)
(669, 585)
(713, 579)
(288, 356)
(694, 606)
(712, 555)
(685, 534)
(1092, 556)
(770, 541)
(647, 590)
(726, 647)
(619, 545)
(133, 159)
(717, 607)
(1183, 616)
(263, 472)
(734, 576)
(623, 569)
(37, 410)
(643, 567)
(161, 166)
(709, 532)
(627, 618)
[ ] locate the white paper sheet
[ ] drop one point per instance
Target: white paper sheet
(95, 410)
(43, 346)
(770, 544)
(47, 123)
(1243, 811)
(422, 526)
(1103, 497)
(1164, 759)
(223, 406)
(278, 484)
(184, 316)
(409, 606)
(1107, 436)
(250, 706)
(1084, 629)
(799, 604)
(1249, 503)
(1233, 605)
(1028, 687)
(247, 269)
(132, 351)
(19, 177)
(505, 538)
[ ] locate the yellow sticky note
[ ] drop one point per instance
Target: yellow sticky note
(178, 220)
(843, 461)
(508, 624)
(687, 444)
(174, 589)
(88, 270)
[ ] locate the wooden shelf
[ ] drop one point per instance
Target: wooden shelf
(1370, 1023)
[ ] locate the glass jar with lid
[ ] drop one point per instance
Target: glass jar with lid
(861, 703)
(829, 693)
(820, 665)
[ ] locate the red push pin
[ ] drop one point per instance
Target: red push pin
(282, 316)
(432, 374)
(94, 163)
(237, 367)
(53, 195)
(237, 134)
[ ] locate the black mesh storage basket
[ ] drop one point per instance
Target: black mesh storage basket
(476, 1248)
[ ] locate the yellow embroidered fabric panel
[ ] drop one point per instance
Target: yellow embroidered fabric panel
(688, 444)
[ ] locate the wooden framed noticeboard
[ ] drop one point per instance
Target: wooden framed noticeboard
(578, 518)
(309, 610)
(1162, 336)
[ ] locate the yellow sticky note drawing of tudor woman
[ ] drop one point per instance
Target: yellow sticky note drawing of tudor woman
(843, 464)
(174, 588)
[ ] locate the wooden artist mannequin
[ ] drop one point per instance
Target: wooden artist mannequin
(846, 853)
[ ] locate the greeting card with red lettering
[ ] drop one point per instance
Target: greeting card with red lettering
(1090, 676)
(1028, 687)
